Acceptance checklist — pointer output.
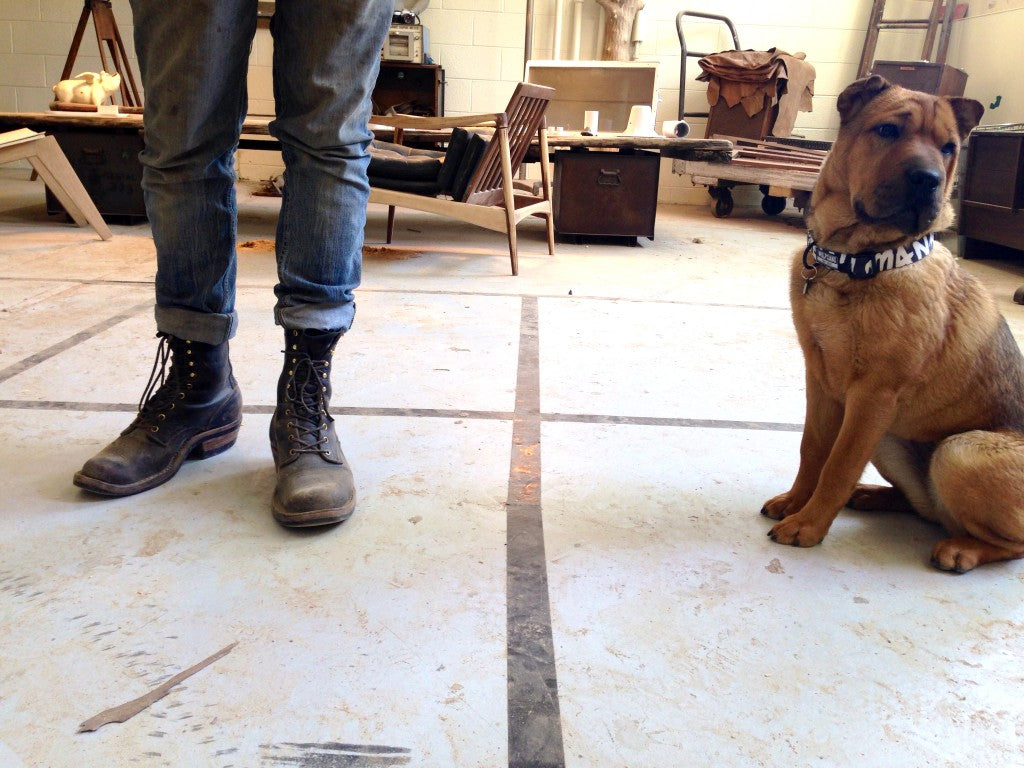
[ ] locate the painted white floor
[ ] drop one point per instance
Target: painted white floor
(670, 398)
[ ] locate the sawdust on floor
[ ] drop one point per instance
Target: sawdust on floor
(369, 251)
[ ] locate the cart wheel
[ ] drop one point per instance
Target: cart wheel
(1018, 295)
(723, 203)
(773, 205)
(715, 191)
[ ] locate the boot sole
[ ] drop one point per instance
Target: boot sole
(314, 518)
(202, 446)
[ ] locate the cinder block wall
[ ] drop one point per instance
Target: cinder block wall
(480, 44)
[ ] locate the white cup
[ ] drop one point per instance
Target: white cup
(641, 121)
(590, 122)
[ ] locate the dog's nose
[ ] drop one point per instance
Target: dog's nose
(922, 183)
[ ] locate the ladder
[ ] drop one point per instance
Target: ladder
(931, 25)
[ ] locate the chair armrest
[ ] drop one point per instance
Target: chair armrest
(419, 122)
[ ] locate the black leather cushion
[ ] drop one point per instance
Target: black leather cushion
(424, 171)
(453, 154)
(395, 161)
(467, 164)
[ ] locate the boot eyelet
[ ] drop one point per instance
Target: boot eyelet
(181, 395)
(161, 416)
(327, 453)
(291, 424)
(154, 430)
(291, 452)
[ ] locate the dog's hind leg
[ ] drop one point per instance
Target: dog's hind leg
(879, 498)
(905, 465)
(977, 481)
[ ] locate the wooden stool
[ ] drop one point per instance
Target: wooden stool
(49, 161)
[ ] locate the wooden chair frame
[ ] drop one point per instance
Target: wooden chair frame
(493, 199)
(50, 162)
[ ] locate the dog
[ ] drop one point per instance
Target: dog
(908, 362)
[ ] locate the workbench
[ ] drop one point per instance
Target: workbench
(104, 150)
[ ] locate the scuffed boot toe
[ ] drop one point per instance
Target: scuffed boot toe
(310, 492)
(125, 467)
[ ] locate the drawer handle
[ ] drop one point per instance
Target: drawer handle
(93, 156)
(608, 178)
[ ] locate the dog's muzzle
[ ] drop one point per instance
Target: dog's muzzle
(911, 203)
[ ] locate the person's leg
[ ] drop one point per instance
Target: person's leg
(193, 59)
(326, 57)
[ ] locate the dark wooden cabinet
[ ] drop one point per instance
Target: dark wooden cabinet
(938, 79)
(992, 197)
(606, 193)
(412, 89)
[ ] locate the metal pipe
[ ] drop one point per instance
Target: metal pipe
(528, 42)
(577, 25)
(556, 43)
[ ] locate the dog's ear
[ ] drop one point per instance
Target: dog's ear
(968, 114)
(857, 94)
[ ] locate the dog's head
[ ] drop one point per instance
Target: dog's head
(892, 165)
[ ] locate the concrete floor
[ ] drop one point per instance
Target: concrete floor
(557, 558)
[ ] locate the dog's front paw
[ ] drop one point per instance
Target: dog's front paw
(797, 531)
(779, 506)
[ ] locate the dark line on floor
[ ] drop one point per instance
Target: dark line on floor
(63, 346)
(783, 307)
(440, 413)
(534, 720)
(668, 421)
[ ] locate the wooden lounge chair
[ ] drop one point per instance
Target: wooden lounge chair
(490, 150)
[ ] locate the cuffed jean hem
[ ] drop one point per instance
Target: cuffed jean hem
(204, 327)
(320, 317)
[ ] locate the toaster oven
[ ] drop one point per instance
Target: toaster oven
(405, 42)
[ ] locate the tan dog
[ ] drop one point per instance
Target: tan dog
(909, 364)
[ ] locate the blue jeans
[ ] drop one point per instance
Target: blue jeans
(193, 59)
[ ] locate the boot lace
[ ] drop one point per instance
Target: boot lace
(306, 398)
(163, 390)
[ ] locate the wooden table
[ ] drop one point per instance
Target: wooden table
(256, 134)
(108, 146)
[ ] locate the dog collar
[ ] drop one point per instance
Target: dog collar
(861, 266)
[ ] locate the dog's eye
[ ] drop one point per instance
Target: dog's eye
(888, 131)
(949, 148)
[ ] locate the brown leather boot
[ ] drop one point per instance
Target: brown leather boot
(194, 410)
(314, 482)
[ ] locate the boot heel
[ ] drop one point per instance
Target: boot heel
(216, 443)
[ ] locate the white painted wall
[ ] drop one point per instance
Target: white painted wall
(480, 44)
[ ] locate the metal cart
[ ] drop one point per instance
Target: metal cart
(780, 167)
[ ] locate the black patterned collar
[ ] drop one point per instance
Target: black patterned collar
(862, 266)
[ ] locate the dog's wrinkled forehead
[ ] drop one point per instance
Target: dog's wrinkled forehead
(921, 111)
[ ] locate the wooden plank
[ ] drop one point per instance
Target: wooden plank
(788, 156)
(731, 172)
(776, 166)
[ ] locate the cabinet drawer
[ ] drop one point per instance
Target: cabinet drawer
(606, 193)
